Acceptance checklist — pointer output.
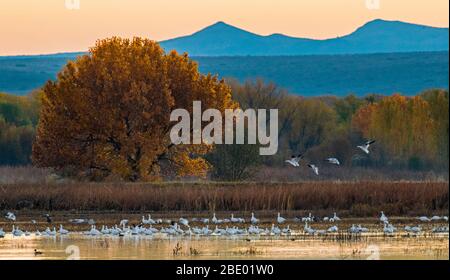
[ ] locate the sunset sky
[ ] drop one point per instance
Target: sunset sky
(47, 26)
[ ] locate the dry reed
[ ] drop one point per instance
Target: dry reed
(356, 198)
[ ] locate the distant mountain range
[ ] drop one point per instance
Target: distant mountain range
(379, 57)
(377, 36)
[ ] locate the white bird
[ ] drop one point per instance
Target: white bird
(308, 218)
(308, 229)
(206, 230)
(275, 230)
(147, 231)
(187, 232)
(388, 228)
(326, 219)
(10, 216)
(62, 231)
(154, 230)
(332, 229)
(135, 230)
(184, 222)
(445, 218)
(416, 229)
(115, 230)
(333, 161)
(280, 219)
(16, 231)
(196, 230)
(321, 232)
(230, 231)
(236, 220)
(253, 230)
(366, 146)
(383, 218)
(123, 222)
(314, 168)
(214, 219)
(354, 229)
(78, 221)
(170, 231)
(219, 231)
(94, 231)
(145, 221)
(49, 232)
(150, 221)
(436, 218)
(233, 219)
(286, 230)
(335, 217)
(294, 161)
(423, 219)
(2, 233)
(362, 229)
(253, 219)
(105, 230)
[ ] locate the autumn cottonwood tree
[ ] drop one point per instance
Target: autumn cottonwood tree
(108, 112)
(409, 129)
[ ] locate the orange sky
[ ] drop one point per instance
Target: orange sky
(47, 26)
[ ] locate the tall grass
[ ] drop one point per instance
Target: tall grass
(29, 174)
(356, 198)
(24, 174)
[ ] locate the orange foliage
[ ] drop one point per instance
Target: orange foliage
(108, 112)
(404, 126)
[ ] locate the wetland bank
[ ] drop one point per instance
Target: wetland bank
(296, 246)
(301, 236)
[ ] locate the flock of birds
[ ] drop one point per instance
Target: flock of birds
(182, 226)
(295, 160)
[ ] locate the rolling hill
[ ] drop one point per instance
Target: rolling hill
(377, 36)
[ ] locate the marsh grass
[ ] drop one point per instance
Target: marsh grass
(176, 251)
(354, 198)
(193, 251)
(251, 251)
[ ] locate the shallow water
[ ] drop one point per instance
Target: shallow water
(78, 246)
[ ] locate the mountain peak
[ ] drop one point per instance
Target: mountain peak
(382, 23)
(220, 25)
(376, 36)
(224, 31)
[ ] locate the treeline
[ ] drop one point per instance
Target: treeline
(18, 119)
(411, 132)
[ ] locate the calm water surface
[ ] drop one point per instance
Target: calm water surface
(78, 246)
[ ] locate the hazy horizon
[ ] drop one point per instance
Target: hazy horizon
(48, 26)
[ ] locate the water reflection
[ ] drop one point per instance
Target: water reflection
(77, 246)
